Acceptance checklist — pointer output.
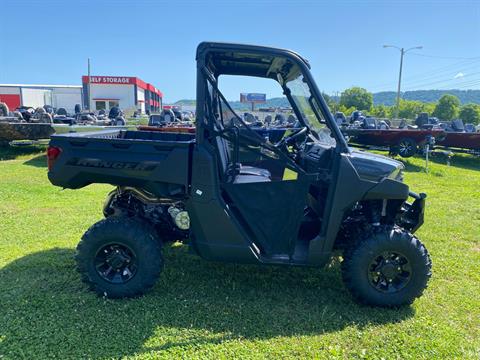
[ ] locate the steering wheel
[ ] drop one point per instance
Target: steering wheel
(288, 139)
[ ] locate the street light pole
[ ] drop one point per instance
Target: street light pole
(397, 107)
(402, 52)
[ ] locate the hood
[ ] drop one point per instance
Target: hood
(375, 167)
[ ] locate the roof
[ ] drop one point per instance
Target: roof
(225, 46)
(41, 86)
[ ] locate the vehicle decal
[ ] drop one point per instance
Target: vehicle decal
(119, 165)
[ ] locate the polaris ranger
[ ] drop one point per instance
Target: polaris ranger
(233, 195)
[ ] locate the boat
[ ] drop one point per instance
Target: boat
(15, 131)
(461, 142)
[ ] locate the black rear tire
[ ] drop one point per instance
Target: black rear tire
(406, 147)
(119, 257)
(374, 277)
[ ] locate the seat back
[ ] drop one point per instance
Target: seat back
(223, 153)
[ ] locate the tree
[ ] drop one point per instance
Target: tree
(447, 107)
(470, 113)
(346, 111)
(409, 109)
(332, 104)
(429, 108)
(381, 111)
(326, 97)
(357, 97)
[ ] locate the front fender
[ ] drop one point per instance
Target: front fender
(412, 214)
(387, 189)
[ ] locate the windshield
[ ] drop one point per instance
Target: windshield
(309, 109)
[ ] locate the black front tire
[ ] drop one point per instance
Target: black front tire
(141, 259)
(406, 147)
(400, 287)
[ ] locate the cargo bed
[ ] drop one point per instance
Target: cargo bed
(157, 162)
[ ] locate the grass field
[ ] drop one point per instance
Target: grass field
(213, 310)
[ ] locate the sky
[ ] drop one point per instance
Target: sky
(49, 41)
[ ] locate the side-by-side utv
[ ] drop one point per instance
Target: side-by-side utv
(233, 195)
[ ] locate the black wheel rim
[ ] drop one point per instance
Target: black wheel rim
(405, 148)
(116, 263)
(389, 272)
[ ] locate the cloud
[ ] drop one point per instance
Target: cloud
(459, 75)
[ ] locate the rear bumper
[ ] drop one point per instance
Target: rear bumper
(412, 215)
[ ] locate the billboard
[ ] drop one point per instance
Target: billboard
(253, 98)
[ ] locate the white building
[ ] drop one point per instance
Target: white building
(66, 96)
(100, 93)
(128, 93)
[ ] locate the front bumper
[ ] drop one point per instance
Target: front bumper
(412, 214)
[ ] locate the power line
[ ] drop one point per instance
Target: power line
(442, 69)
(432, 74)
(443, 74)
(463, 85)
(440, 81)
(445, 57)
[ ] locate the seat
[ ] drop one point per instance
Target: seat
(246, 174)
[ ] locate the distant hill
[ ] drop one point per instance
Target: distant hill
(389, 97)
(186, 102)
(237, 105)
(384, 97)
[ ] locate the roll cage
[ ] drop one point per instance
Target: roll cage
(215, 59)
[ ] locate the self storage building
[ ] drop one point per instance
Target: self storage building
(128, 93)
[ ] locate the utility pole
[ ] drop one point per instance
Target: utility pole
(402, 52)
(89, 105)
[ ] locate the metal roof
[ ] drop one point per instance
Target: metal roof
(41, 86)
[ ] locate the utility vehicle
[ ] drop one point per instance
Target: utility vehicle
(208, 190)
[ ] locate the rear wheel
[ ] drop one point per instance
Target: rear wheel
(119, 257)
(389, 268)
(406, 147)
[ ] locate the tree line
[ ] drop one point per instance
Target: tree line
(447, 108)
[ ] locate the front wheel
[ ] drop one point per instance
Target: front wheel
(406, 147)
(119, 257)
(389, 268)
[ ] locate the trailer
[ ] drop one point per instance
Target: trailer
(14, 131)
(404, 142)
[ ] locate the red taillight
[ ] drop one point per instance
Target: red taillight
(53, 153)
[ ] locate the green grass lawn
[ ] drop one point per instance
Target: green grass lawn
(200, 309)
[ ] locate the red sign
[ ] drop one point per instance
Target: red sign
(119, 80)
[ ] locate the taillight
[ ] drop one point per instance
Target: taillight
(53, 153)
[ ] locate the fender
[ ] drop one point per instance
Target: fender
(388, 189)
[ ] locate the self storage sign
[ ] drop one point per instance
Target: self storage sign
(111, 80)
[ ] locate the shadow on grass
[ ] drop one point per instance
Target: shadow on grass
(464, 161)
(48, 312)
(410, 167)
(14, 152)
(37, 161)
